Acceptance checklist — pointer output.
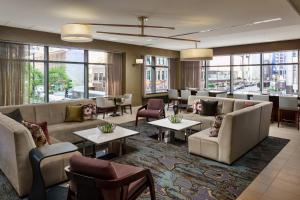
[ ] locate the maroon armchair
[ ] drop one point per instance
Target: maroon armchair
(96, 179)
(155, 108)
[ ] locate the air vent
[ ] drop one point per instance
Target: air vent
(296, 5)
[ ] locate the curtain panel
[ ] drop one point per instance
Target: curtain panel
(173, 73)
(191, 74)
(114, 74)
(12, 73)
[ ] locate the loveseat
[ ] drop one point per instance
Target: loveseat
(242, 128)
(16, 142)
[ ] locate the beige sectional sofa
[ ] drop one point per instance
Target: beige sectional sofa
(16, 142)
(242, 128)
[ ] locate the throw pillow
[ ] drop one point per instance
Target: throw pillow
(16, 115)
(44, 126)
(37, 133)
(209, 108)
(74, 114)
(248, 104)
(197, 107)
(216, 126)
(89, 111)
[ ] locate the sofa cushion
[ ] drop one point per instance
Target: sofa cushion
(207, 121)
(52, 113)
(214, 131)
(15, 115)
(74, 114)
(227, 105)
(149, 113)
(64, 131)
(201, 144)
(27, 111)
(209, 108)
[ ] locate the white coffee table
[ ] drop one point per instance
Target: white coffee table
(184, 125)
(95, 136)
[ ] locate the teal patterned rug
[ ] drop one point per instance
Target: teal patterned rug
(180, 175)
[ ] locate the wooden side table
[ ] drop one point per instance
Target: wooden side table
(36, 156)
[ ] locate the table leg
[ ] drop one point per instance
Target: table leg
(94, 151)
(160, 137)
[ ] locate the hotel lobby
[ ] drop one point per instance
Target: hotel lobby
(187, 100)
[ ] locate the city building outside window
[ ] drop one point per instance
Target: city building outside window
(156, 72)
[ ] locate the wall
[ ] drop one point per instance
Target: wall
(260, 47)
(132, 82)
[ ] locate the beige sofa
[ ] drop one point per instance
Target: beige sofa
(242, 128)
(16, 143)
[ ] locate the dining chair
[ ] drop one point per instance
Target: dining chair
(127, 102)
(259, 97)
(96, 179)
(202, 93)
(105, 105)
(184, 99)
(172, 97)
(288, 104)
(240, 96)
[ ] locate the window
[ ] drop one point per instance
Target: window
(271, 72)
(34, 75)
(97, 68)
(66, 81)
(218, 73)
(246, 73)
(280, 72)
(65, 54)
(156, 74)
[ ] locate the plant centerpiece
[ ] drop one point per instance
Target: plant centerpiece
(175, 118)
(107, 128)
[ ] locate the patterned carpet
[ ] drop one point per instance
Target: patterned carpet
(179, 175)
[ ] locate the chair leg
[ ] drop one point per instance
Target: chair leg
(151, 187)
(122, 110)
(278, 117)
(103, 114)
(136, 120)
(130, 109)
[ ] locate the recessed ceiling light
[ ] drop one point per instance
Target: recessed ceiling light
(208, 30)
(267, 21)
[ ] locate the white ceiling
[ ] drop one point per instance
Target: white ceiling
(185, 15)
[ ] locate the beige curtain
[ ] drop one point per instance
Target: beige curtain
(114, 73)
(12, 73)
(191, 74)
(173, 73)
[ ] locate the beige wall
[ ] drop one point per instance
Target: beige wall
(132, 82)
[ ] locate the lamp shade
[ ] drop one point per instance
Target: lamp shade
(196, 54)
(76, 33)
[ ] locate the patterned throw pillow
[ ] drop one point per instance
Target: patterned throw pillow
(89, 111)
(214, 131)
(197, 107)
(37, 133)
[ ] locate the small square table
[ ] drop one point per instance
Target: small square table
(182, 126)
(95, 136)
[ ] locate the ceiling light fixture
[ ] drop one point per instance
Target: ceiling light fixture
(76, 33)
(268, 20)
(196, 54)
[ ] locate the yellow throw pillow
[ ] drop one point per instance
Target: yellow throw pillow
(74, 114)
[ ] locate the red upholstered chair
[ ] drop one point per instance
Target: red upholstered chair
(155, 108)
(95, 179)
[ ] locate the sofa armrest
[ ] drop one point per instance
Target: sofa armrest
(36, 156)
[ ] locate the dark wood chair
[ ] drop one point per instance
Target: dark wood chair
(155, 108)
(105, 105)
(93, 180)
(288, 105)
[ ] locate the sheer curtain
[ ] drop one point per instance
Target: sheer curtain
(191, 74)
(12, 73)
(114, 73)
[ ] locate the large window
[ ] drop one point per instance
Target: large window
(218, 73)
(97, 73)
(280, 72)
(272, 72)
(156, 73)
(246, 73)
(64, 70)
